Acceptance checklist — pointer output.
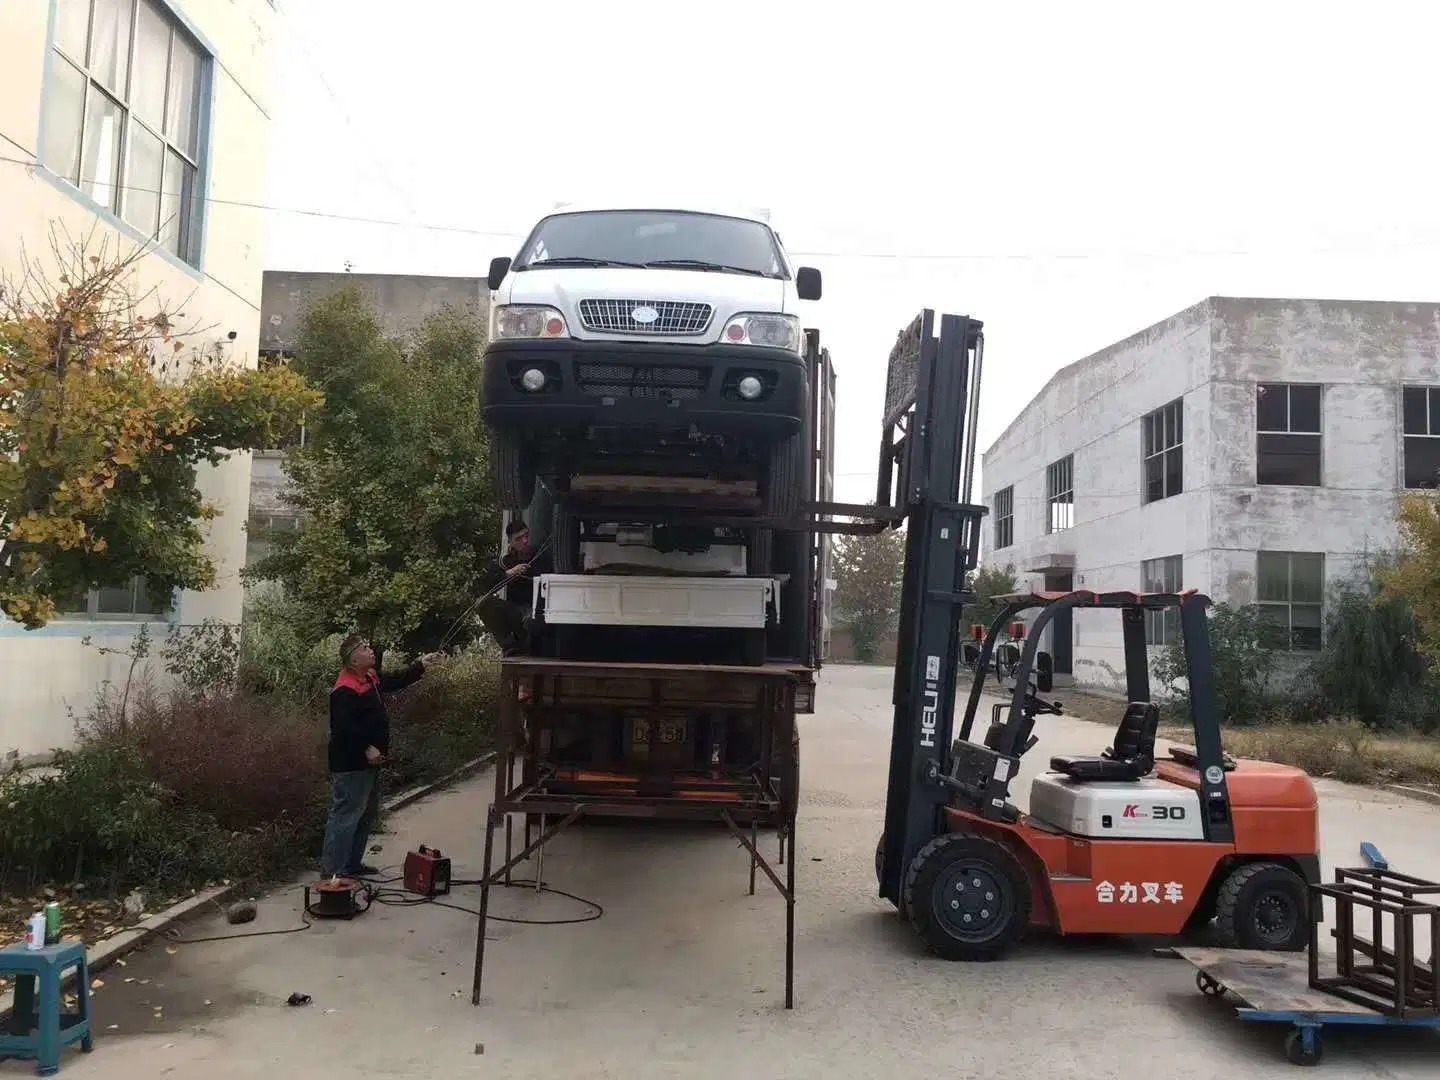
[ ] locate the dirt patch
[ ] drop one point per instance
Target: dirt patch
(82, 918)
(1338, 751)
(1347, 752)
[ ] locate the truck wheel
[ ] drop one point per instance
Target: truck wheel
(761, 552)
(785, 481)
(880, 861)
(968, 897)
(510, 476)
(565, 543)
(1263, 905)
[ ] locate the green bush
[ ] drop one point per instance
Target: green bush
(446, 719)
(1370, 669)
(97, 816)
(274, 658)
(212, 780)
(1242, 661)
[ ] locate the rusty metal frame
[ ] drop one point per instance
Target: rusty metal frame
(767, 791)
(1393, 982)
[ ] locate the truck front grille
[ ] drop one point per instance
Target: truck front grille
(671, 316)
(640, 381)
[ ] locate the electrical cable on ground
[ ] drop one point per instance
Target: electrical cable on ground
(376, 893)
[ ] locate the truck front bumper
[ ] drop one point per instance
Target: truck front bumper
(602, 384)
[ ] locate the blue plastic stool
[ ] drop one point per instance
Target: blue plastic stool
(39, 1026)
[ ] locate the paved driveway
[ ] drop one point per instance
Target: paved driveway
(682, 977)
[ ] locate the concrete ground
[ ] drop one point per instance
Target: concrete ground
(683, 975)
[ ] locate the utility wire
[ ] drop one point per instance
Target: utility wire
(893, 256)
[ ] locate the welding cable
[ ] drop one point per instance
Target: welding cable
(375, 892)
(400, 898)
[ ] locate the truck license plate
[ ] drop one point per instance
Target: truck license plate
(669, 732)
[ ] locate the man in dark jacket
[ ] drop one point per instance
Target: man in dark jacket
(507, 614)
(359, 741)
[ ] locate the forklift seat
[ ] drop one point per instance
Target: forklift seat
(1132, 757)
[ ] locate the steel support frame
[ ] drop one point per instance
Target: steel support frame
(533, 796)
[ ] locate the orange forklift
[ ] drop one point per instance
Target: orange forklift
(1116, 844)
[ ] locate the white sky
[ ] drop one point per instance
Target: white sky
(1068, 173)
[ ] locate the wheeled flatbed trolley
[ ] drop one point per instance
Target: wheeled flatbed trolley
(1370, 986)
(1274, 988)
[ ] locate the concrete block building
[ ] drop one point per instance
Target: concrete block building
(1253, 449)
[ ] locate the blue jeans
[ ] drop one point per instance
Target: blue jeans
(354, 806)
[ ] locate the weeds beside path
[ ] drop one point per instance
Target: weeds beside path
(1348, 752)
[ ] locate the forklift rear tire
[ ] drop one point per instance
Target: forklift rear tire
(510, 475)
(968, 897)
(1263, 905)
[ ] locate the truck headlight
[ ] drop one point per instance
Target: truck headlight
(749, 387)
(773, 331)
(514, 322)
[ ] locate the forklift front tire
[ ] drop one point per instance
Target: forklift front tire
(968, 897)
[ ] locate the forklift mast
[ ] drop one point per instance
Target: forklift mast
(927, 464)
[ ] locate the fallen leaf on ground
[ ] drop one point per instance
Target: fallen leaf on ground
(171, 950)
(112, 1027)
(95, 984)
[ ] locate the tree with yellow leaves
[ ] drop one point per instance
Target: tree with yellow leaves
(1415, 576)
(106, 411)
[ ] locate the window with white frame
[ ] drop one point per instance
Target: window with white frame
(129, 601)
(123, 115)
(1420, 408)
(1291, 590)
(1005, 517)
(1287, 434)
(1163, 451)
(1162, 576)
(1060, 494)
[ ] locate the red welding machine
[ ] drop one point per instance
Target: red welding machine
(427, 872)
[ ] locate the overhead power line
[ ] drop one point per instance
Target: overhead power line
(896, 256)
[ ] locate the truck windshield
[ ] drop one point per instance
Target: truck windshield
(681, 241)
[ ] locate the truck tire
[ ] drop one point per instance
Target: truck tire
(565, 542)
(785, 480)
(761, 552)
(511, 477)
(968, 897)
(1263, 905)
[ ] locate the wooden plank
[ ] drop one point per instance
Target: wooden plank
(1270, 982)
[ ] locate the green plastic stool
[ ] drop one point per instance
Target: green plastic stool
(39, 1027)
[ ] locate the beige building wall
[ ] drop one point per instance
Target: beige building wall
(219, 136)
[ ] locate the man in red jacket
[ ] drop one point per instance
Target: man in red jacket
(359, 741)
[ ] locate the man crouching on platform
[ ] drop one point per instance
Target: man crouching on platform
(359, 742)
(508, 614)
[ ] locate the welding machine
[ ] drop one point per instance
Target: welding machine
(427, 872)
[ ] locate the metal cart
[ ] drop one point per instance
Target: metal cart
(1371, 986)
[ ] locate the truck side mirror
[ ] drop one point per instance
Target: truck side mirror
(1044, 672)
(807, 283)
(498, 269)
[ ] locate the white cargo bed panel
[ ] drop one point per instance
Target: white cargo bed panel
(738, 603)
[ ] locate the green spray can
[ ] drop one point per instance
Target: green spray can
(52, 923)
